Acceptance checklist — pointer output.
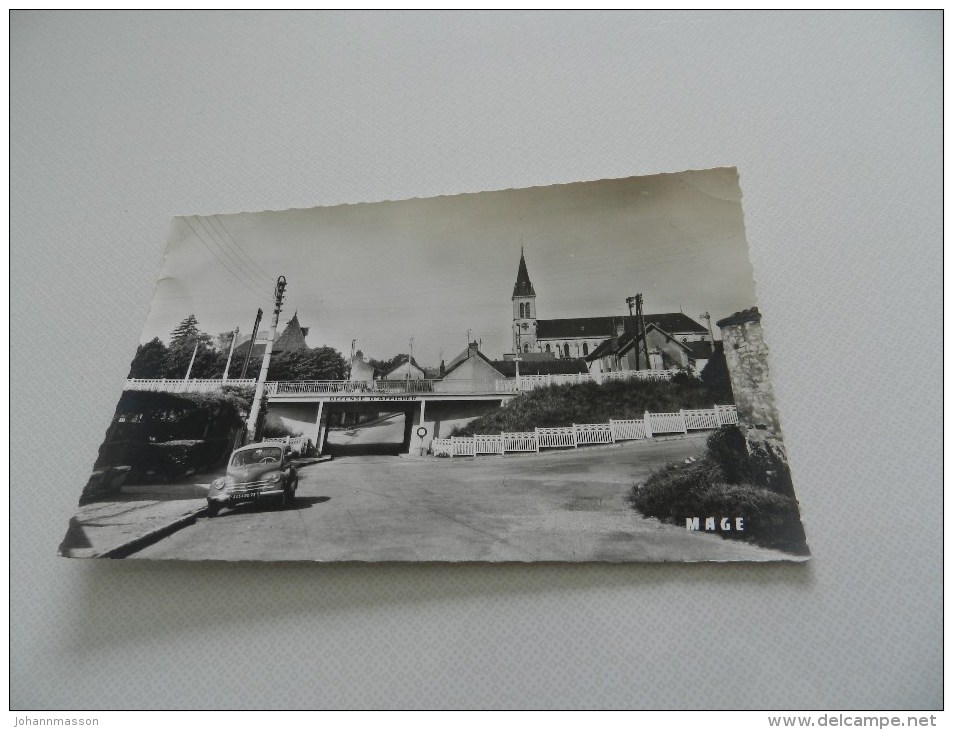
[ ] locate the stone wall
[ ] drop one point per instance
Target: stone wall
(747, 357)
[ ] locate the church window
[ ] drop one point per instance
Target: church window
(525, 348)
(548, 348)
(566, 350)
(585, 348)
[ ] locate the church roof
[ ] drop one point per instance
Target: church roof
(523, 286)
(548, 329)
(290, 340)
(552, 329)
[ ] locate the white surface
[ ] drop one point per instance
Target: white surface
(121, 121)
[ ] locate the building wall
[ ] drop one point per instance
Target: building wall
(523, 338)
(575, 345)
(672, 354)
(441, 417)
(474, 368)
(747, 357)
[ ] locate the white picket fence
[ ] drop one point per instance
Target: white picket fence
(297, 445)
(488, 444)
(520, 441)
(584, 434)
(531, 382)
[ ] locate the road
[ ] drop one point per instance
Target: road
(557, 506)
(383, 435)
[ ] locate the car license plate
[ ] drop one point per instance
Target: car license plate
(242, 496)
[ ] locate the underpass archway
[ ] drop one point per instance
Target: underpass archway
(356, 429)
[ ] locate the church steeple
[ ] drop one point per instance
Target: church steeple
(524, 310)
(523, 287)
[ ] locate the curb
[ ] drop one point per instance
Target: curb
(137, 543)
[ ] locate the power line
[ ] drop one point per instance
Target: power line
(224, 230)
(216, 239)
(227, 267)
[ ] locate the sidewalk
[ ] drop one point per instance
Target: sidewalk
(139, 515)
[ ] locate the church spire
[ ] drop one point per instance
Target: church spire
(523, 287)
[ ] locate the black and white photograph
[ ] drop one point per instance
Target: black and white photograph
(573, 372)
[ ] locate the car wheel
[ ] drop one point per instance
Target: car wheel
(212, 509)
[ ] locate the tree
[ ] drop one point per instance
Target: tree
(381, 367)
(223, 341)
(318, 363)
(150, 360)
(187, 329)
(186, 339)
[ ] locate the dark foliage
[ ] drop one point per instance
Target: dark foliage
(318, 363)
(563, 405)
(724, 483)
(381, 367)
(150, 360)
(715, 376)
(146, 421)
(727, 449)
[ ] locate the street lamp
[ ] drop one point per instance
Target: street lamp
(517, 361)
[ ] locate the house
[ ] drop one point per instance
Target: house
(666, 351)
(405, 368)
(578, 337)
(471, 364)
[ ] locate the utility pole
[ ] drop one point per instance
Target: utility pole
(410, 357)
(228, 363)
(639, 329)
(251, 345)
(641, 320)
(350, 365)
(189, 371)
(630, 301)
(265, 362)
(706, 315)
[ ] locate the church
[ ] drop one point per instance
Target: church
(578, 337)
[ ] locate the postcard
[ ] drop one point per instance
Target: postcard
(575, 372)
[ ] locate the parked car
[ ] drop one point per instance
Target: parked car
(256, 472)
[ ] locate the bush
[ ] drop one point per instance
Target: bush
(727, 448)
(727, 482)
(683, 491)
(175, 459)
(563, 405)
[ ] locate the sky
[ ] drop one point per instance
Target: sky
(434, 268)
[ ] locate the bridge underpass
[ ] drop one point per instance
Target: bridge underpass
(422, 419)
